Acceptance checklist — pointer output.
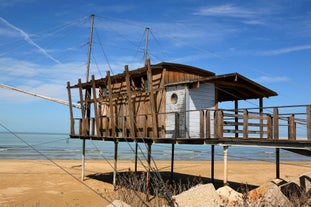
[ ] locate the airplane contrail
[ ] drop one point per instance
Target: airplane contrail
(29, 40)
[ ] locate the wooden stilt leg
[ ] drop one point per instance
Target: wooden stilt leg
(115, 168)
(226, 165)
(277, 162)
(213, 164)
(83, 160)
(172, 163)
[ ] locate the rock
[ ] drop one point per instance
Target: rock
(199, 196)
(268, 194)
(298, 191)
(230, 197)
(118, 203)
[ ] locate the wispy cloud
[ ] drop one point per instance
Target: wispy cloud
(270, 79)
(29, 40)
(227, 10)
(285, 50)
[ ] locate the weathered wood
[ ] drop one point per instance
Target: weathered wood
(245, 125)
(275, 123)
(212, 163)
(115, 167)
(172, 163)
(226, 165)
(84, 121)
(261, 118)
(72, 122)
(131, 110)
(269, 128)
(208, 124)
(152, 102)
(236, 119)
(112, 119)
(97, 123)
(291, 127)
(201, 123)
(277, 163)
(308, 110)
(176, 125)
(219, 126)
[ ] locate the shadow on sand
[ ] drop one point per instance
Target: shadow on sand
(184, 181)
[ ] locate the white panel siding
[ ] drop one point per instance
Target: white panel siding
(180, 106)
(200, 98)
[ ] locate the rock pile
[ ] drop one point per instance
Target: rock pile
(274, 193)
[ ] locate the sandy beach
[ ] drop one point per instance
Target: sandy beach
(44, 183)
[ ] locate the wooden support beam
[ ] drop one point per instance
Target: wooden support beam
(308, 111)
(130, 103)
(226, 165)
(202, 124)
(82, 102)
(148, 171)
(245, 124)
(115, 168)
(291, 127)
(172, 163)
(136, 156)
(261, 118)
(213, 163)
(219, 124)
(72, 122)
(83, 160)
(95, 107)
(112, 119)
(208, 124)
(236, 119)
(275, 123)
(277, 163)
(152, 102)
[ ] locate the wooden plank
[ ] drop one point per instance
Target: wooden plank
(291, 127)
(130, 103)
(309, 122)
(245, 125)
(72, 122)
(275, 123)
(152, 102)
(208, 124)
(83, 122)
(112, 119)
(95, 107)
(201, 123)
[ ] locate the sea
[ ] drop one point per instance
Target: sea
(58, 146)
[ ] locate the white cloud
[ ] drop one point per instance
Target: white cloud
(29, 40)
(286, 50)
(270, 79)
(226, 10)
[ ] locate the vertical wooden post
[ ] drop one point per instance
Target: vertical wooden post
(130, 104)
(269, 127)
(148, 171)
(72, 126)
(245, 123)
(226, 164)
(172, 162)
(115, 168)
(212, 163)
(291, 127)
(176, 125)
(219, 124)
(82, 102)
(152, 102)
(277, 162)
(261, 118)
(112, 119)
(136, 156)
(208, 124)
(83, 159)
(275, 123)
(95, 107)
(202, 124)
(309, 122)
(236, 118)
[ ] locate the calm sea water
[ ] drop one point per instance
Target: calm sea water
(59, 146)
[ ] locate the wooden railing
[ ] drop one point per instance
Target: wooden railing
(282, 122)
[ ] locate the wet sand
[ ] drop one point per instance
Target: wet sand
(43, 183)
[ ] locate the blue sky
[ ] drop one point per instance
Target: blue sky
(44, 45)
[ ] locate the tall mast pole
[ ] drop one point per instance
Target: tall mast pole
(90, 48)
(146, 45)
(87, 92)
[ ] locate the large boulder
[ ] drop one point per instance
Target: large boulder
(198, 196)
(268, 194)
(230, 197)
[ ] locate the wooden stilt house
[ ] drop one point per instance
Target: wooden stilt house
(158, 102)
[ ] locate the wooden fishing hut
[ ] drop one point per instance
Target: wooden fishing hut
(174, 103)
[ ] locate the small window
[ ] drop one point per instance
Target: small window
(174, 98)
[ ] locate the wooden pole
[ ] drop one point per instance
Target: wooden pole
(308, 110)
(95, 107)
(277, 163)
(213, 163)
(152, 102)
(136, 157)
(172, 162)
(226, 165)
(148, 171)
(113, 128)
(130, 104)
(115, 168)
(83, 159)
(261, 118)
(236, 118)
(72, 126)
